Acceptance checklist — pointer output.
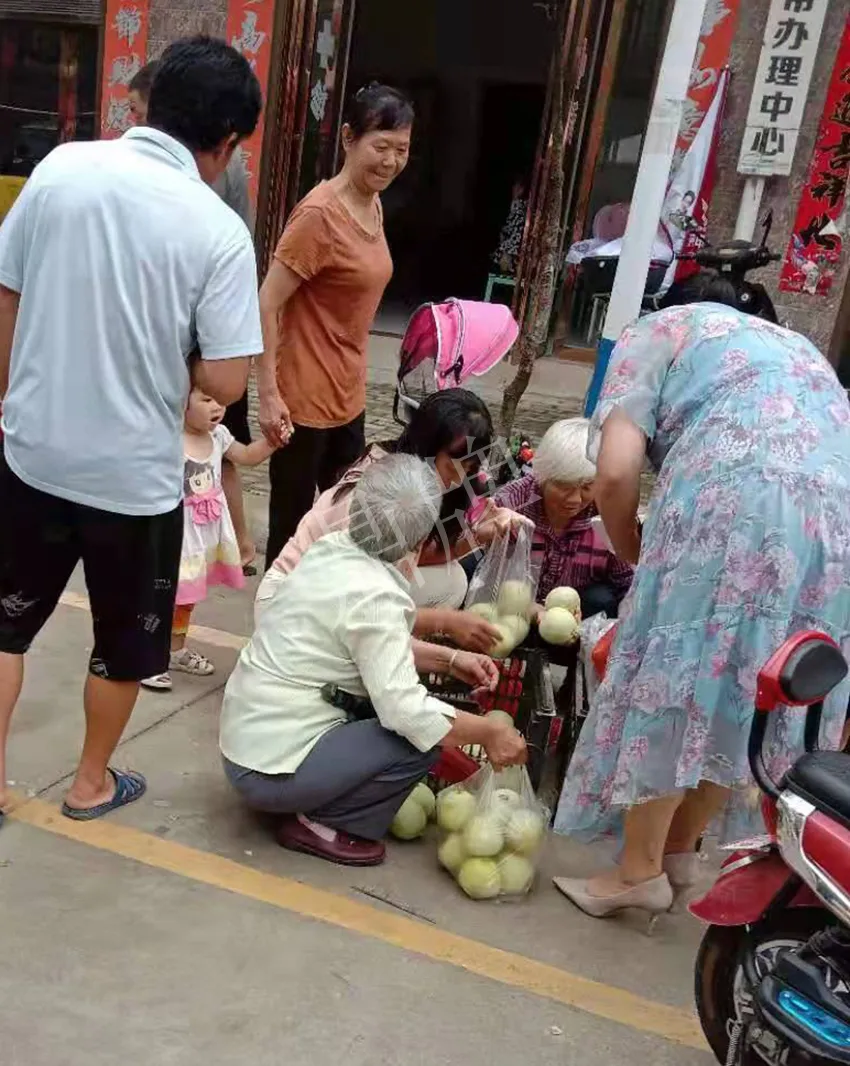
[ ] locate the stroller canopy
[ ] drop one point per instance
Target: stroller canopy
(462, 337)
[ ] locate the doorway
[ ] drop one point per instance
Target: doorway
(476, 73)
(614, 171)
(48, 94)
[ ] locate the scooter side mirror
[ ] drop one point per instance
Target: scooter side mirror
(803, 671)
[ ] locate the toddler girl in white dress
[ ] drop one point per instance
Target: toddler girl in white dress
(210, 549)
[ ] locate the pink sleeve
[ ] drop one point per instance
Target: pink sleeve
(325, 517)
(518, 494)
(473, 515)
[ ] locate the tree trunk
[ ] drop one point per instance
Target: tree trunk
(514, 392)
(546, 242)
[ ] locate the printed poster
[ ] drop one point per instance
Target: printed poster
(823, 215)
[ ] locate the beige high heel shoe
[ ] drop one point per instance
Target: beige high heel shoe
(654, 896)
(683, 870)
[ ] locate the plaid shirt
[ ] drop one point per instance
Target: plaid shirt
(574, 556)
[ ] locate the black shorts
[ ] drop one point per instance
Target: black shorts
(236, 420)
(131, 568)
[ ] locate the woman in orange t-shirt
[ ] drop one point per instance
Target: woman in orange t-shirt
(318, 302)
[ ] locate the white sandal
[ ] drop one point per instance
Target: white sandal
(191, 662)
(158, 683)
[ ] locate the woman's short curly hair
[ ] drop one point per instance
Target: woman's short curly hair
(562, 454)
(394, 507)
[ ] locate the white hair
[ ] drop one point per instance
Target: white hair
(562, 454)
(394, 507)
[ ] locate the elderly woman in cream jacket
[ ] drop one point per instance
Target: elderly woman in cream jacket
(338, 774)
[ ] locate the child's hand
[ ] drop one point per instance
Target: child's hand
(250, 454)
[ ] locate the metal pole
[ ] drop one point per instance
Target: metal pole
(651, 185)
(748, 213)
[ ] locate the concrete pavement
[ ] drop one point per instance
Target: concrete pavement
(177, 932)
(556, 391)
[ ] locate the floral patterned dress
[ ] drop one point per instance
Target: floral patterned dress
(747, 541)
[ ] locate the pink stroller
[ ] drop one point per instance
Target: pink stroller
(445, 344)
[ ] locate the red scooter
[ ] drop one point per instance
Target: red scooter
(773, 970)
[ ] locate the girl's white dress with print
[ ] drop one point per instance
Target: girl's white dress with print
(210, 550)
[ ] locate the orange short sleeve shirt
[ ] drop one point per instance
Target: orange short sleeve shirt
(324, 327)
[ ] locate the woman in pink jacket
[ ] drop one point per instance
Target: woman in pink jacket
(453, 430)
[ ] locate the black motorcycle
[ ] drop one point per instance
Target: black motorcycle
(733, 261)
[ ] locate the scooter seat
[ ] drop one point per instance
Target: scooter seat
(823, 778)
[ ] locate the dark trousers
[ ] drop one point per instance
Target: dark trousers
(601, 599)
(355, 779)
(131, 565)
(313, 459)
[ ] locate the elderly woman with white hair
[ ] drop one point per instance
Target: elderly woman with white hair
(324, 719)
(558, 498)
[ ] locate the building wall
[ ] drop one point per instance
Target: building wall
(812, 315)
(170, 20)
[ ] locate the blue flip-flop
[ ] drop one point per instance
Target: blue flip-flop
(129, 786)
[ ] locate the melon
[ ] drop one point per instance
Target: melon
(452, 853)
(506, 642)
(559, 626)
(425, 798)
(479, 878)
(500, 716)
(524, 832)
(454, 809)
(487, 611)
(514, 598)
(519, 625)
(410, 821)
(483, 836)
(515, 874)
(503, 804)
(565, 597)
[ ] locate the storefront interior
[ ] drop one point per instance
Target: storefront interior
(48, 89)
(477, 75)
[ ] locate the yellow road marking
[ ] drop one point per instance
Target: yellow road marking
(516, 971)
(505, 967)
(204, 634)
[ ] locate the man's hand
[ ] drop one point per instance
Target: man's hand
(471, 632)
(275, 420)
(505, 747)
(479, 671)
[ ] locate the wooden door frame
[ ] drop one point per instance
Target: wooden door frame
(281, 128)
(589, 34)
(288, 98)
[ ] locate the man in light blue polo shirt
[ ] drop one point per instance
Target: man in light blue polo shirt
(116, 261)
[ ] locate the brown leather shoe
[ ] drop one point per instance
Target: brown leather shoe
(344, 850)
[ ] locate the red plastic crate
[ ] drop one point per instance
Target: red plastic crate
(524, 691)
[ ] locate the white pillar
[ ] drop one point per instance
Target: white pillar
(748, 213)
(653, 178)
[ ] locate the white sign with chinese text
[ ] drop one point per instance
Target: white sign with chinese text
(781, 90)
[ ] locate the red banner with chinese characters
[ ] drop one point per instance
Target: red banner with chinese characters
(710, 68)
(249, 29)
(823, 215)
(125, 42)
(715, 45)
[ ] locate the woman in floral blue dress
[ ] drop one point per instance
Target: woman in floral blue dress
(747, 540)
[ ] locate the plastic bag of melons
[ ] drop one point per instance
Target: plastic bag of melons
(491, 831)
(502, 589)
